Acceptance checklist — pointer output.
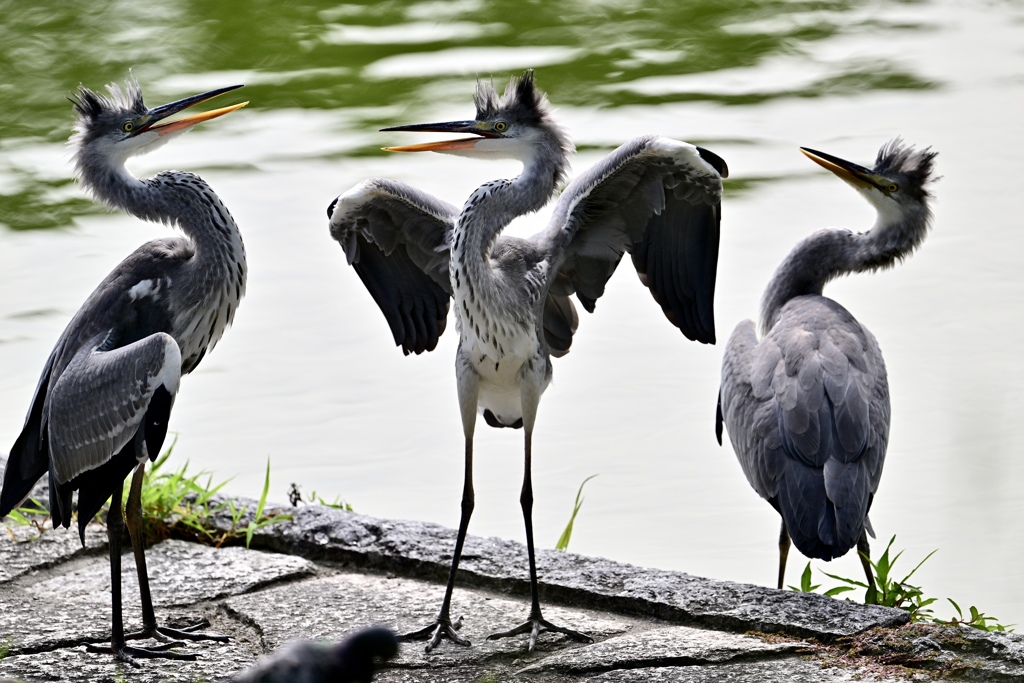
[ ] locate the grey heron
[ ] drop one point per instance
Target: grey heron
(807, 405)
(103, 400)
(656, 198)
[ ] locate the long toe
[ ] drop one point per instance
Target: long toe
(177, 636)
(537, 625)
(434, 633)
(191, 633)
(155, 634)
(129, 654)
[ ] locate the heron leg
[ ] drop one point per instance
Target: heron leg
(443, 627)
(118, 646)
(133, 514)
(784, 544)
(535, 624)
(864, 552)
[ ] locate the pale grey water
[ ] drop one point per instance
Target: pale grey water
(308, 376)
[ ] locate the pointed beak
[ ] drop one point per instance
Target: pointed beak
(157, 115)
(472, 127)
(855, 174)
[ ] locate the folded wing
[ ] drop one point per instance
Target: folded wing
(98, 402)
(807, 410)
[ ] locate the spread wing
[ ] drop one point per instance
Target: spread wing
(397, 239)
(659, 200)
(807, 411)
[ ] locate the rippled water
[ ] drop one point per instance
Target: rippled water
(308, 376)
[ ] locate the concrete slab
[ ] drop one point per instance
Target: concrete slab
(338, 572)
(788, 669)
(424, 550)
(180, 573)
(76, 665)
(70, 603)
(24, 549)
(331, 608)
(663, 647)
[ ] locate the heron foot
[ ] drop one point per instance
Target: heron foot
(442, 628)
(175, 635)
(129, 654)
(536, 625)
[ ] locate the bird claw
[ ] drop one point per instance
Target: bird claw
(129, 654)
(536, 625)
(177, 636)
(442, 628)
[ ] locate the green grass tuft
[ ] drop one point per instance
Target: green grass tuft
(179, 504)
(901, 594)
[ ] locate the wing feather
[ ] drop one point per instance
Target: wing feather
(807, 411)
(397, 239)
(28, 459)
(657, 199)
(98, 401)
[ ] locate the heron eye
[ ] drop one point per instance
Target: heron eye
(128, 127)
(893, 187)
(501, 126)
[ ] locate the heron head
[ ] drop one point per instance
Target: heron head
(517, 124)
(898, 182)
(118, 125)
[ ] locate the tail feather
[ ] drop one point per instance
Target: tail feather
(28, 461)
(819, 526)
(29, 458)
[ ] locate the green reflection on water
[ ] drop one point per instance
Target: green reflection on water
(322, 55)
(35, 207)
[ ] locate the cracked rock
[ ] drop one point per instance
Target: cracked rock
(70, 604)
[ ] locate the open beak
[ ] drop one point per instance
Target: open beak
(855, 174)
(158, 115)
(472, 127)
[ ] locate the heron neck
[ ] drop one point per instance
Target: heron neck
(830, 253)
(495, 204)
(177, 198)
(215, 272)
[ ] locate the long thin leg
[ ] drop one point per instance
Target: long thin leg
(535, 623)
(443, 626)
(784, 544)
(133, 513)
(115, 529)
(864, 552)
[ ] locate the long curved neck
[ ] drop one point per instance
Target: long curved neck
(829, 253)
(211, 282)
(494, 205)
(176, 198)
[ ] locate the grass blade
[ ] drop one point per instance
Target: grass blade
(254, 524)
(563, 540)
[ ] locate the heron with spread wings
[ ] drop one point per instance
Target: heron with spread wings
(806, 405)
(104, 397)
(656, 198)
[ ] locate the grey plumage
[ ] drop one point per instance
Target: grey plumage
(353, 660)
(807, 405)
(104, 398)
(397, 239)
(655, 198)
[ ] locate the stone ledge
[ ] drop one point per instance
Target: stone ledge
(423, 550)
(332, 573)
